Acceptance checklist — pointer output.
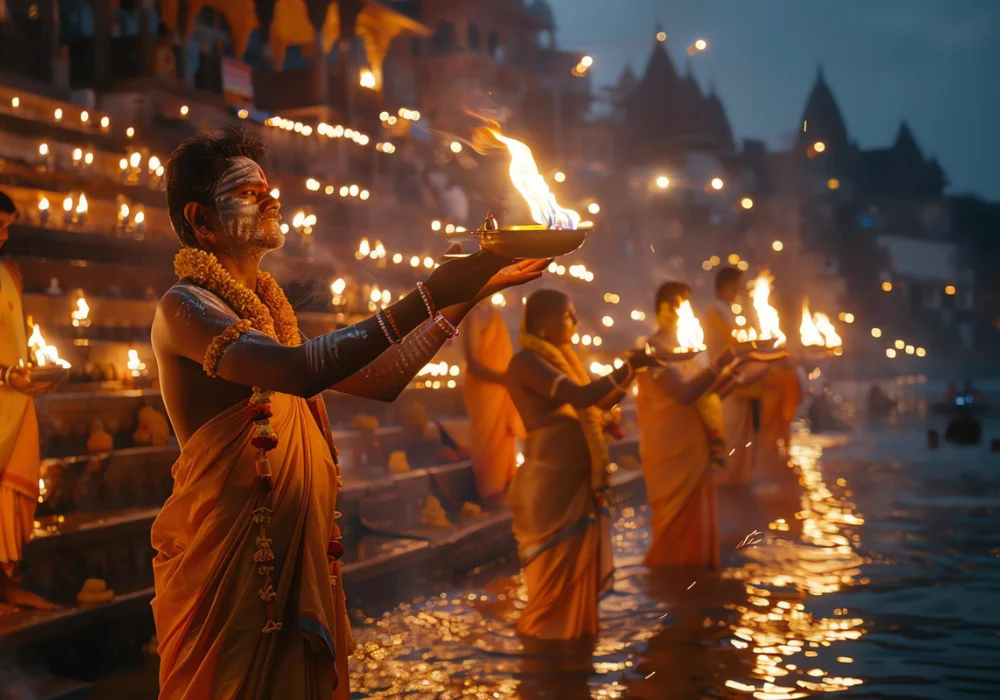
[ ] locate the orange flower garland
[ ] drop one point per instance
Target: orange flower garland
(266, 310)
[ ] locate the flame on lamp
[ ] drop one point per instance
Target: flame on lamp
(690, 336)
(817, 330)
(44, 353)
(767, 315)
(80, 316)
(135, 366)
(545, 210)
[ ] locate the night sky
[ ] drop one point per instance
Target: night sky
(935, 63)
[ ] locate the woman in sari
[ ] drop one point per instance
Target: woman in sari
(680, 417)
(557, 497)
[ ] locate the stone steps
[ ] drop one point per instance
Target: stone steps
(117, 546)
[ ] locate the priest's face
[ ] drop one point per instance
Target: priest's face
(246, 220)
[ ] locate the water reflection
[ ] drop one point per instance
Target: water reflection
(800, 649)
(760, 628)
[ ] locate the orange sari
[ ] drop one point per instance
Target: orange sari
(494, 423)
(563, 536)
(673, 447)
(208, 608)
(779, 404)
(737, 410)
(19, 450)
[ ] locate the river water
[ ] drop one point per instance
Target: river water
(876, 575)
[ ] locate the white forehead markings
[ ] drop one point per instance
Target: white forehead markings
(241, 171)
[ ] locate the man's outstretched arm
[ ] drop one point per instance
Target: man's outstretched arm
(189, 318)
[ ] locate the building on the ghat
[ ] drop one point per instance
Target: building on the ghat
(368, 109)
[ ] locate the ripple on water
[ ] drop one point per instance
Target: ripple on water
(806, 611)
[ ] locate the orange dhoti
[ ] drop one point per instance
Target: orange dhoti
(494, 423)
(209, 609)
(782, 395)
(563, 536)
(673, 447)
(19, 451)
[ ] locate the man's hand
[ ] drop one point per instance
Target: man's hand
(482, 274)
(514, 275)
(640, 359)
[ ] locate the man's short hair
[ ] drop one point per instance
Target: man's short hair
(670, 293)
(541, 305)
(726, 276)
(194, 169)
(7, 205)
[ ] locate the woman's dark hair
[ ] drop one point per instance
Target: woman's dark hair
(194, 169)
(542, 304)
(671, 293)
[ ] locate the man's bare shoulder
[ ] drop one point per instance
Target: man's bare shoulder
(186, 300)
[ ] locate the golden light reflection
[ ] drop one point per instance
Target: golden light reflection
(780, 581)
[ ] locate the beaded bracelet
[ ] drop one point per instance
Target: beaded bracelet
(425, 296)
(447, 326)
(5, 374)
(392, 324)
(221, 342)
(385, 329)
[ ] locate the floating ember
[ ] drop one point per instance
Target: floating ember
(767, 315)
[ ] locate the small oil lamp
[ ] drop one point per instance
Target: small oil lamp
(43, 211)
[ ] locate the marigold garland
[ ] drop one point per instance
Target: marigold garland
(221, 343)
(591, 418)
(267, 310)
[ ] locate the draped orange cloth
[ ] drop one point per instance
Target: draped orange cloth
(494, 423)
(19, 451)
(673, 447)
(779, 404)
(208, 609)
(737, 412)
(563, 535)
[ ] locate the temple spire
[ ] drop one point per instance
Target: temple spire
(822, 117)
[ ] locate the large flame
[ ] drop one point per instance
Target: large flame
(808, 332)
(44, 353)
(767, 315)
(817, 330)
(690, 336)
(545, 210)
(829, 332)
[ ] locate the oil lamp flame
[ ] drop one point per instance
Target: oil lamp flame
(745, 335)
(80, 316)
(545, 210)
(767, 315)
(135, 365)
(690, 336)
(829, 332)
(817, 330)
(44, 353)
